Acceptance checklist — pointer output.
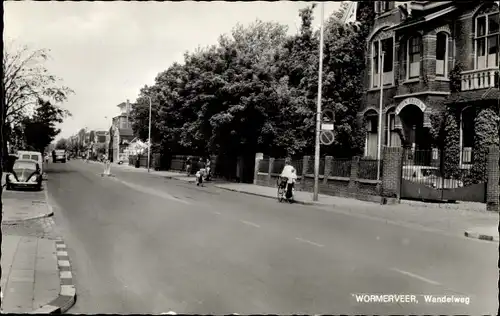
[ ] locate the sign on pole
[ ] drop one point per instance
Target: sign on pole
(326, 137)
(326, 127)
(327, 116)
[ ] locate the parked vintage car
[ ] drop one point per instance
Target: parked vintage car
(33, 155)
(429, 176)
(26, 173)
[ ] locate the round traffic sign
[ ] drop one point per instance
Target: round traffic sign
(327, 116)
(326, 137)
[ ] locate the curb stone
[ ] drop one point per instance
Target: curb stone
(50, 214)
(471, 234)
(67, 294)
(266, 196)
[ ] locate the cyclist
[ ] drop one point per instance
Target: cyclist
(289, 173)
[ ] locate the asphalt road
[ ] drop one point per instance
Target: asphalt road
(140, 243)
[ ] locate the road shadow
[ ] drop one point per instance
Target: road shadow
(59, 171)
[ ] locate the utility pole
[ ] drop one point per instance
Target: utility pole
(381, 108)
(149, 134)
(318, 110)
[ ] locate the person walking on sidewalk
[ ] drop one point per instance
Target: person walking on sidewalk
(188, 166)
(207, 169)
(290, 174)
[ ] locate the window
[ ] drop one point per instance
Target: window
(383, 6)
(414, 45)
(371, 140)
(392, 139)
(375, 65)
(486, 40)
(441, 54)
(387, 46)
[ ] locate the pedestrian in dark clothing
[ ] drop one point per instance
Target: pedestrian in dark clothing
(188, 166)
(207, 169)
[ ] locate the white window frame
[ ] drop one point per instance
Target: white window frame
(379, 60)
(486, 36)
(408, 63)
(446, 55)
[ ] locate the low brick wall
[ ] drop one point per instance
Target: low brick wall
(334, 186)
(341, 177)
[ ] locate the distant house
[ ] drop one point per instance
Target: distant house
(99, 142)
(120, 134)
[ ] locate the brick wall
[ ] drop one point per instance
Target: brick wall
(350, 186)
(493, 174)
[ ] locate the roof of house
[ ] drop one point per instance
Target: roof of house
(475, 95)
(412, 21)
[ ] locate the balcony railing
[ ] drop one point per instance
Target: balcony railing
(479, 79)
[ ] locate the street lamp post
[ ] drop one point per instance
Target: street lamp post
(318, 110)
(149, 134)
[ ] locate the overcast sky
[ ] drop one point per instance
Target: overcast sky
(107, 51)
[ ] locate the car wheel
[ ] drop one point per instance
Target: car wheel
(63, 161)
(8, 187)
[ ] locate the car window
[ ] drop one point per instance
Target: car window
(34, 157)
(24, 165)
(25, 157)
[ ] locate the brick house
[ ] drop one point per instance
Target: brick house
(120, 134)
(422, 42)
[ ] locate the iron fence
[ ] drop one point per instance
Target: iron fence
(264, 166)
(298, 164)
(310, 166)
(278, 166)
(435, 169)
(368, 169)
(341, 168)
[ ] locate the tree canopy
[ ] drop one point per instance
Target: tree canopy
(40, 129)
(256, 91)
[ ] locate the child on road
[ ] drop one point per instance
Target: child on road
(199, 177)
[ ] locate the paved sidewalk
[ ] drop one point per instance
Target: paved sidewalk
(443, 219)
(31, 272)
(22, 205)
(30, 276)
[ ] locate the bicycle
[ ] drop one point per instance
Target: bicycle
(282, 183)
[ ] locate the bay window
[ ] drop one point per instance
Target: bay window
(486, 40)
(442, 55)
(414, 50)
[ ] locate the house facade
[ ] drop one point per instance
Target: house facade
(418, 51)
(120, 134)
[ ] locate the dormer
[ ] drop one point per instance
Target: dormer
(383, 6)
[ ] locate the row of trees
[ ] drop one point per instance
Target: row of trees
(31, 99)
(256, 91)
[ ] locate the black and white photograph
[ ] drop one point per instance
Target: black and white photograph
(250, 157)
